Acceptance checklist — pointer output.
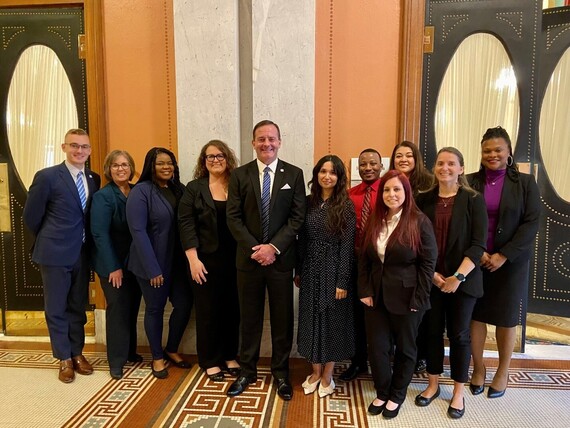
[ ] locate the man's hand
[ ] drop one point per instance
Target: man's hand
(264, 254)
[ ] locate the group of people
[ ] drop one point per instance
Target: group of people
(384, 269)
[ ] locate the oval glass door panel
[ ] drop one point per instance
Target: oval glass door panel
(554, 128)
(478, 91)
(40, 110)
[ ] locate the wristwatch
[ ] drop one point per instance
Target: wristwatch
(459, 276)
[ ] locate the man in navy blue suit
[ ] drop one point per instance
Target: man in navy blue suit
(57, 214)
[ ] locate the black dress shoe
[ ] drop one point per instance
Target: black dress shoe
(476, 389)
(116, 373)
(389, 414)
(284, 389)
(181, 364)
(352, 372)
(421, 366)
(135, 358)
(376, 410)
(240, 385)
(422, 401)
(495, 393)
(454, 413)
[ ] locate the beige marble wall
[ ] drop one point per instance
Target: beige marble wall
(238, 62)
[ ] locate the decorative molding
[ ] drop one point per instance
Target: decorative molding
(448, 27)
(509, 18)
(8, 34)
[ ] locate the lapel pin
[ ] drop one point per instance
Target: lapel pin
(281, 170)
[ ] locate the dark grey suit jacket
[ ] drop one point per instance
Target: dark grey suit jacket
(286, 213)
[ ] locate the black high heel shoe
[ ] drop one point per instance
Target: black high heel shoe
(495, 393)
(181, 364)
(478, 389)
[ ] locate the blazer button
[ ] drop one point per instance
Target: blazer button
(499, 230)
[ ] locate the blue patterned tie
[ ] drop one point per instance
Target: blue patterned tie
(265, 197)
(82, 195)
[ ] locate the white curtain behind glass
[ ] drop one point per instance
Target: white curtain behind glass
(554, 128)
(40, 110)
(478, 91)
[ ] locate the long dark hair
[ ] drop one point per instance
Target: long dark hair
(420, 178)
(407, 232)
(499, 132)
(231, 163)
(336, 223)
(149, 170)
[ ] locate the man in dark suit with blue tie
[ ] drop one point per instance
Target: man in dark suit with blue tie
(57, 214)
(265, 212)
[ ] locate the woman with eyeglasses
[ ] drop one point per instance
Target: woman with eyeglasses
(513, 206)
(156, 257)
(211, 252)
(112, 240)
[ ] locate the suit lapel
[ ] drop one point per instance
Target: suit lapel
(68, 180)
(206, 194)
(457, 217)
(278, 182)
(90, 182)
(253, 173)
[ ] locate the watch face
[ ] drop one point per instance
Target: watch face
(459, 276)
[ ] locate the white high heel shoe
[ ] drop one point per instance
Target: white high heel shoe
(309, 388)
(328, 390)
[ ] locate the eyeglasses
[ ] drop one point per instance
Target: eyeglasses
(76, 146)
(219, 157)
(117, 166)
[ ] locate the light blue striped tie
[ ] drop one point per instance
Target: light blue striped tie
(82, 195)
(265, 197)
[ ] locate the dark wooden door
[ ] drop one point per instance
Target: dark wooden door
(57, 28)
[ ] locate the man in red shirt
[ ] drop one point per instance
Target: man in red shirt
(364, 198)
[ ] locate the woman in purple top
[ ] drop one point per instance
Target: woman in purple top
(513, 208)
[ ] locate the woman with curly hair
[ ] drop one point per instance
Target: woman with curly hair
(211, 252)
(326, 328)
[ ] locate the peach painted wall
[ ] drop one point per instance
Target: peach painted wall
(139, 64)
(356, 77)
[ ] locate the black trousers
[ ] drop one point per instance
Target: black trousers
(121, 315)
(66, 291)
(180, 294)
(451, 312)
(251, 291)
(217, 317)
(383, 330)
(360, 357)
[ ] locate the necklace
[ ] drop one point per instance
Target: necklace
(446, 201)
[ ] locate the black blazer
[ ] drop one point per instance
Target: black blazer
(197, 217)
(519, 212)
(286, 213)
(110, 231)
(466, 237)
(404, 280)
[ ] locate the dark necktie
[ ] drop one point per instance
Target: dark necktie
(265, 197)
(365, 213)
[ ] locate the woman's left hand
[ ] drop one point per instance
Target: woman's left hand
(341, 294)
(494, 262)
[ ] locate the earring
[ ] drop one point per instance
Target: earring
(510, 161)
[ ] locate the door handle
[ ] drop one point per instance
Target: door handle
(5, 223)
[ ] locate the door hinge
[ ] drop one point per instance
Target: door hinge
(428, 39)
(82, 46)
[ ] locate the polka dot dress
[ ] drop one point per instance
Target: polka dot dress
(326, 325)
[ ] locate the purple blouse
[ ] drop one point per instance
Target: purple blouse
(493, 189)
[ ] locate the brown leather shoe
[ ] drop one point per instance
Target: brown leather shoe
(81, 365)
(66, 373)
